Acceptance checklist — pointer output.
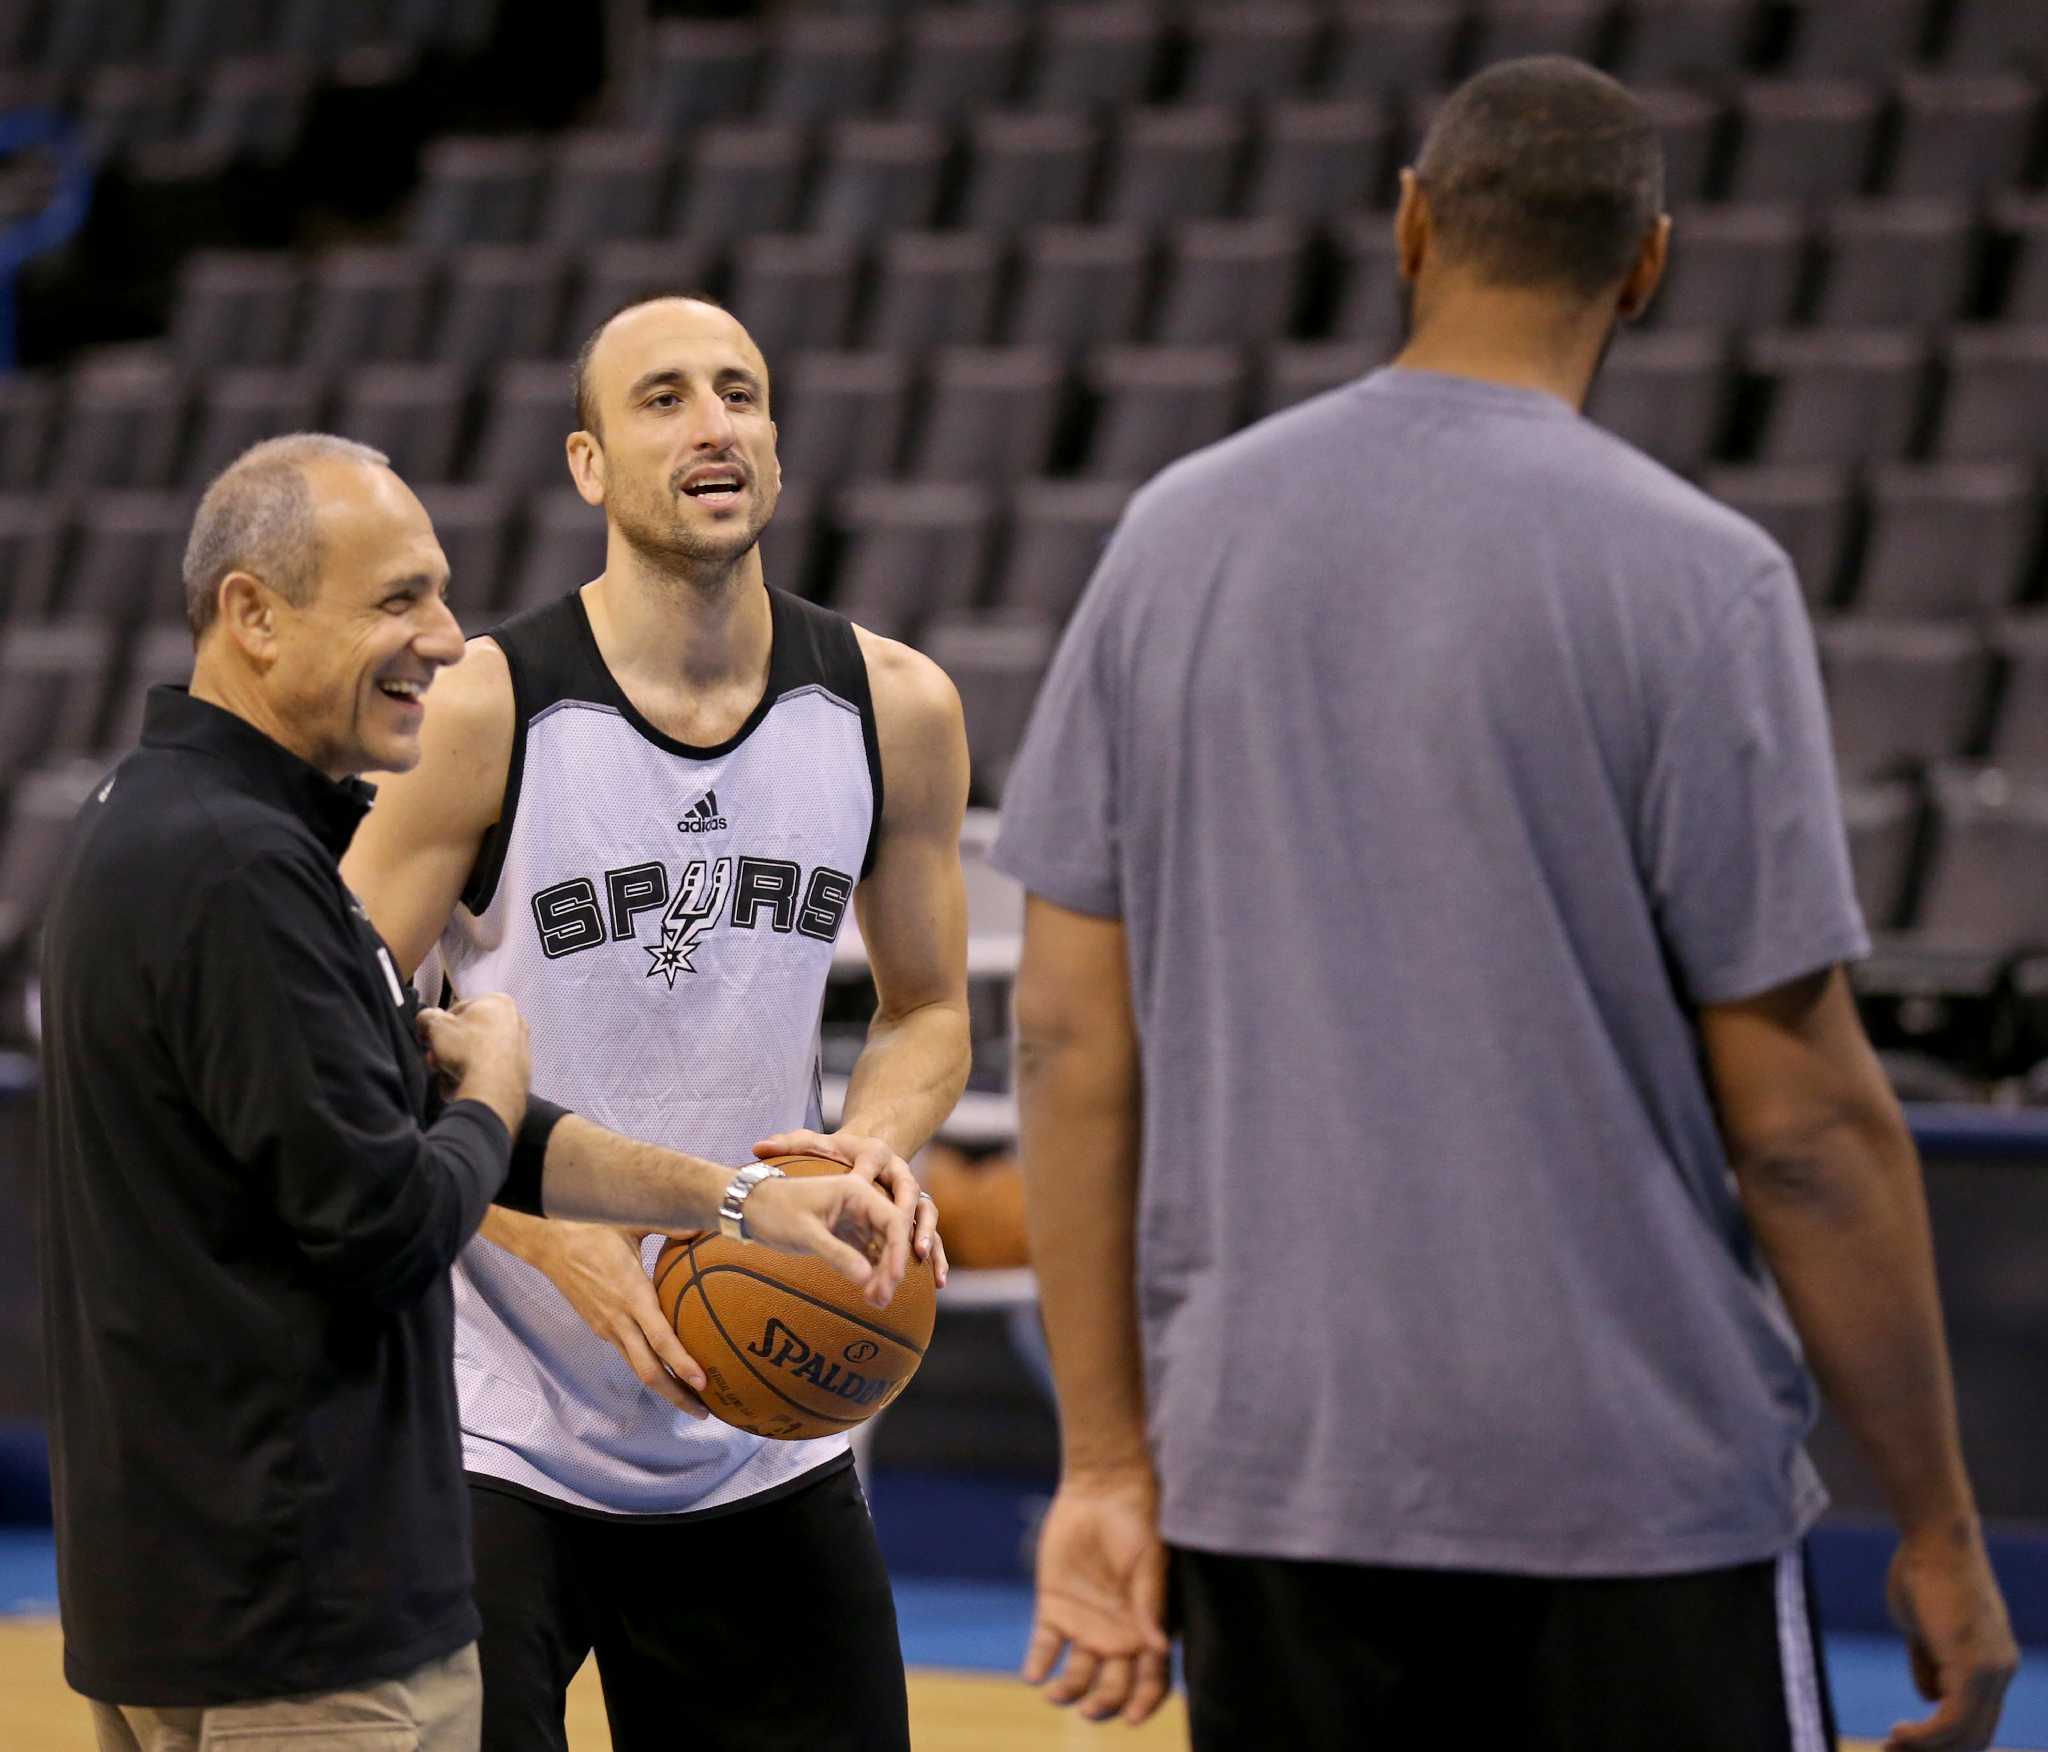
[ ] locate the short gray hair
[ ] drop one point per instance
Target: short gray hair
(1543, 172)
(257, 517)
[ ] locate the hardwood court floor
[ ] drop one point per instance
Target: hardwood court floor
(949, 1712)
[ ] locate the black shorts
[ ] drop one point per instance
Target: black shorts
(766, 1626)
(1325, 1655)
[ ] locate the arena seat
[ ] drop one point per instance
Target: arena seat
(1902, 694)
(845, 415)
(1173, 163)
(1386, 46)
(911, 551)
(1903, 263)
(1079, 285)
(366, 305)
(935, 289)
(1027, 168)
(1805, 141)
(797, 289)
(1806, 508)
(997, 666)
(1839, 395)
(1250, 50)
(1733, 266)
(236, 307)
(1983, 887)
(879, 176)
(1946, 540)
(1883, 822)
(823, 66)
(1096, 58)
(602, 187)
(238, 408)
(413, 413)
(958, 62)
(992, 415)
(738, 178)
(1229, 281)
(1319, 161)
(699, 70)
(1995, 394)
(1157, 403)
(1057, 529)
(1666, 392)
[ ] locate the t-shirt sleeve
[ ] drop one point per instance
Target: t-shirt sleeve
(1745, 851)
(1061, 821)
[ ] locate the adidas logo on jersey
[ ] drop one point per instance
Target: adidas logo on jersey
(702, 816)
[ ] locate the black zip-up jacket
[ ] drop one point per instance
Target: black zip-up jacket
(247, 1225)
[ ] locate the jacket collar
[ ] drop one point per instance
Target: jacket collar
(331, 808)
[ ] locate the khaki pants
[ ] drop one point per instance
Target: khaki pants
(437, 1708)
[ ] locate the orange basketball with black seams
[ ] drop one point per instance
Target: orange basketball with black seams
(789, 1348)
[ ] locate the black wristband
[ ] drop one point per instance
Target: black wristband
(521, 1191)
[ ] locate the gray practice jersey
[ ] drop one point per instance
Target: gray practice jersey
(1441, 754)
(664, 917)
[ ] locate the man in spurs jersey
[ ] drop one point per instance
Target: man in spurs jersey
(644, 810)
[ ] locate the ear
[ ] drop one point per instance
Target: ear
(775, 438)
(246, 612)
(586, 466)
(1411, 227)
(1648, 273)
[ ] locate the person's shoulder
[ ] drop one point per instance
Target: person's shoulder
(1227, 471)
(474, 697)
(906, 685)
(1643, 495)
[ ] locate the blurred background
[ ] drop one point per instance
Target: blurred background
(1005, 261)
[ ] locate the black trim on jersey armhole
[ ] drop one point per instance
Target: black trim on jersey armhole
(534, 644)
(813, 644)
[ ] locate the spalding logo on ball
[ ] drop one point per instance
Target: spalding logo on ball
(789, 1348)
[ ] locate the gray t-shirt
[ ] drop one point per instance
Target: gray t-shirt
(1440, 754)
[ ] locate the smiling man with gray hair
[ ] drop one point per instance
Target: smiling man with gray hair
(254, 1180)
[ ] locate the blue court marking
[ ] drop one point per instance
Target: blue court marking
(28, 1571)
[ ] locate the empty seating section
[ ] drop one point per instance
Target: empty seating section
(1006, 262)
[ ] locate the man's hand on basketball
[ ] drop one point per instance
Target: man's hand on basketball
(1945, 1599)
(872, 1159)
(598, 1269)
(1102, 1598)
(843, 1219)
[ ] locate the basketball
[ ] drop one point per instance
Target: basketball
(789, 1348)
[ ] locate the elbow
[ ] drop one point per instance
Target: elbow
(1818, 1158)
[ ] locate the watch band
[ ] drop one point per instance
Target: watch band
(732, 1209)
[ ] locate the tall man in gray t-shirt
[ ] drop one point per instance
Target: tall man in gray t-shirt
(1437, 889)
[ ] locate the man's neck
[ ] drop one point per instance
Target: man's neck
(218, 685)
(702, 629)
(1515, 339)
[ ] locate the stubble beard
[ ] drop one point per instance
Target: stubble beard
(707, 564)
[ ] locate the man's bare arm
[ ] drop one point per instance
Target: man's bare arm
(1098, 1637)
(912, 908)
(413, 854)
(1078, 1121)
(1830, 1181)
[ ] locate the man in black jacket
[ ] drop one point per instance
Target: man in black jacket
(255, 1180)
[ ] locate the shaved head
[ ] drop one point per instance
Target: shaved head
(257, 517)
(588, 413)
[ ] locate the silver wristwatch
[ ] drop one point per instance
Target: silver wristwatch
(732, 1209)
